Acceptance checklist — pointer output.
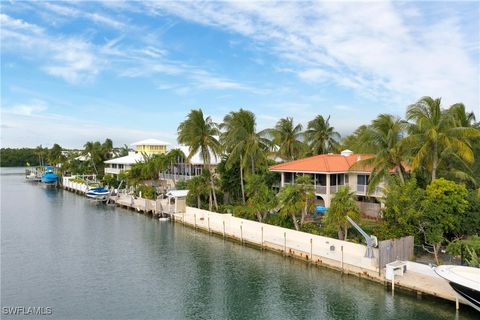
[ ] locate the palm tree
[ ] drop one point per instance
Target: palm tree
(461, 117)
(343, 205)
(320, 136)
(285, 139)
(175, 157)
(242, 142)
(261, 199)
(199, 134)
(385, 134)
(93, 150)
(436, 134)
(307, 195)
(354, 141)
(197, 187)
(290, 201)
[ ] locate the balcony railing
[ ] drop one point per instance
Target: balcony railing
(113, 170)
(362, 190)
(321, 189)
(175, 176)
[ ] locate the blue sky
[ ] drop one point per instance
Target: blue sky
(78, 71)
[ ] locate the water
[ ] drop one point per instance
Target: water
(88, 261)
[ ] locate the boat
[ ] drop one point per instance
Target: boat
(97, 193)
(464, 280)
(32, 175)
(49, 177)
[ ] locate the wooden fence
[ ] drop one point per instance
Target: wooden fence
(395, 249)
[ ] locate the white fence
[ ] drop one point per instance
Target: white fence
(337, 253)
(67, 183)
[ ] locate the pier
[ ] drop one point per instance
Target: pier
(157, 207)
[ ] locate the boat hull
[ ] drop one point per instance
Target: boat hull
(465, 281)
(469, 294)
(98, 194)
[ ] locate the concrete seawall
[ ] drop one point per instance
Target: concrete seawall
(344, 256)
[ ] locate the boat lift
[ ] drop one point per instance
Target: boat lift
(372, 241)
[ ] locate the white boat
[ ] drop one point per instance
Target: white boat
(464, 280)
(98, 193)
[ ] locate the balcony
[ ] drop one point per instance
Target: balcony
(175, 176)
(113, 170)
(321, 189)
(362, 190)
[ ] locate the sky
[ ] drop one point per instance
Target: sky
(81, 71)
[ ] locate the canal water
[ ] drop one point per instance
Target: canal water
(89, 261)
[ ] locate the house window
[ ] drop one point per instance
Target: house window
(321, 179)
(362, 179)
(338, 179)
(288, 177)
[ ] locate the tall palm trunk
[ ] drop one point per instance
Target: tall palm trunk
(212, 183)
(253, 164)
(295, 223)
(241, 180)
(434, 162)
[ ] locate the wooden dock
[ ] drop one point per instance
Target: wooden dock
(157, 207)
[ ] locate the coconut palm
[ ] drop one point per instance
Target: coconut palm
(261, 199)
(435, 135)
(355, 140)
(285, 139)
(175, 156)
(242, 142)
(290, 202)
(343, 205)
(307, 195)
(385, 134)
(461, 117)
(199, 134)
(320, 136)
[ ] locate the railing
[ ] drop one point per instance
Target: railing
(113, 170)
(175, 176)
(362, 190)
(321, 189)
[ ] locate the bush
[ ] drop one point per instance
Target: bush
(455, 247)
(77, 180)
(311, 227)
(147, 192)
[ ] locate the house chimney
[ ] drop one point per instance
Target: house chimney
(346, 153)
(359, 157)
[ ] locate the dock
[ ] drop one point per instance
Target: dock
(159, 207)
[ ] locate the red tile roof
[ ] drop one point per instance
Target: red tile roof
(324, 163)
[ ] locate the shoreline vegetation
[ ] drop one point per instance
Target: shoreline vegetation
(428, 162)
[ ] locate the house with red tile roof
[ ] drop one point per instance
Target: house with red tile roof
(329, 172)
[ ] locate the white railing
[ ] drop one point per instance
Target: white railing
(113, 170)
(362, 190)
(175, 176)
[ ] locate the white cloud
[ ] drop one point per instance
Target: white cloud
(21, 130)
(29, 109)
(385, 51)
(72, 59)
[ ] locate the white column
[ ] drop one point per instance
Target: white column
(282, 179)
